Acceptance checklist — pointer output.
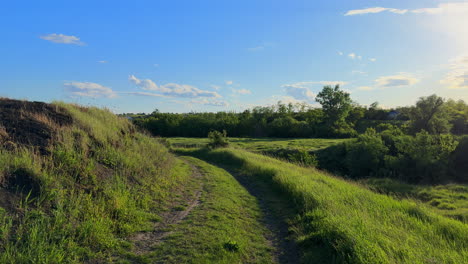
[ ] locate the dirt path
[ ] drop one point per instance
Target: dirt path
(178, 209)
(274, 210)
(275, 214)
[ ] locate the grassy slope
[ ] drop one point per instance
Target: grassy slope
(339, 221)
(262, 144)
(228, 217)
(450, 200)
(101, 182)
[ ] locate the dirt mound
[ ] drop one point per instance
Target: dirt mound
(30, 123)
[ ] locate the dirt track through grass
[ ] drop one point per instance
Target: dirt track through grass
(177, 211)
(275, 213)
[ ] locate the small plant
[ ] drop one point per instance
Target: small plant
(217, 139)
(232, 246)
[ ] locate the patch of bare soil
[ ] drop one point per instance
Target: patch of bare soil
(29, 123)
(178, 210)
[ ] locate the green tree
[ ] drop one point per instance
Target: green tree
(430, 114)
(336, 105)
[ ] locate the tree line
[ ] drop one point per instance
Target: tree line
(339, 117)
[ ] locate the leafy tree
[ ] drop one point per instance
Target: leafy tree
(430, 115)
(336, 103)
(336, 106)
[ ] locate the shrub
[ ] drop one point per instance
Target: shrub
(365, 156)
(217, 139)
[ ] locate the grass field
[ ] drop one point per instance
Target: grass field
(262, 144)
(342, 222)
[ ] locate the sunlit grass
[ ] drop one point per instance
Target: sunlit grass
(341, 222)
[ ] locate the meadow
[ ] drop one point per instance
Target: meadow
(261, 144)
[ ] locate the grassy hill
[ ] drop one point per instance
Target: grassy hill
(76, 181)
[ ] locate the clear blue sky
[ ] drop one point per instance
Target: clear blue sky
(180, 56)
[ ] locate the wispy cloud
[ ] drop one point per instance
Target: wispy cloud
(402, 79)
(257, 48)
(456, 7)
(373, 59)
(209, 102)
(457, 77)
(216, 87)
(103, 61)
(242, 91)
(375, 10)
(89, 89)
(229, 82)
(303, 90)
(172, 89)
(354, 56)
(143, 94)
(261, 47)
(359, 72)
(62, 39)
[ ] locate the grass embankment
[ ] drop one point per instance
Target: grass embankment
(450, 200)
(225, 228)
(80, 196)
(341, 222)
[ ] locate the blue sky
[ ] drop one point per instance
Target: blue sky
(181, 56)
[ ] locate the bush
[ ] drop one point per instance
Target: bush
(365, 157)
(459, 160)
(217, 139)
(422, 158)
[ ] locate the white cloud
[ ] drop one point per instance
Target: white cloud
(144, 94)
(300, 93)
(374, 10)
(146, 84)
(402, 79)
(457, 78)
(373, 59)
(359, 72)
(216, 87)
(103, 61)
(89, 89)
(172, 89)
(242, 91)
(62, 39)
(340, 53)
(303, 90)
(229, 82)
(452, 8)
(308, 84)
(352, 56)
(444, 8)
(210, 102)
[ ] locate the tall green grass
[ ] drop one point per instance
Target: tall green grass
(341, 222)
(101, 182)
